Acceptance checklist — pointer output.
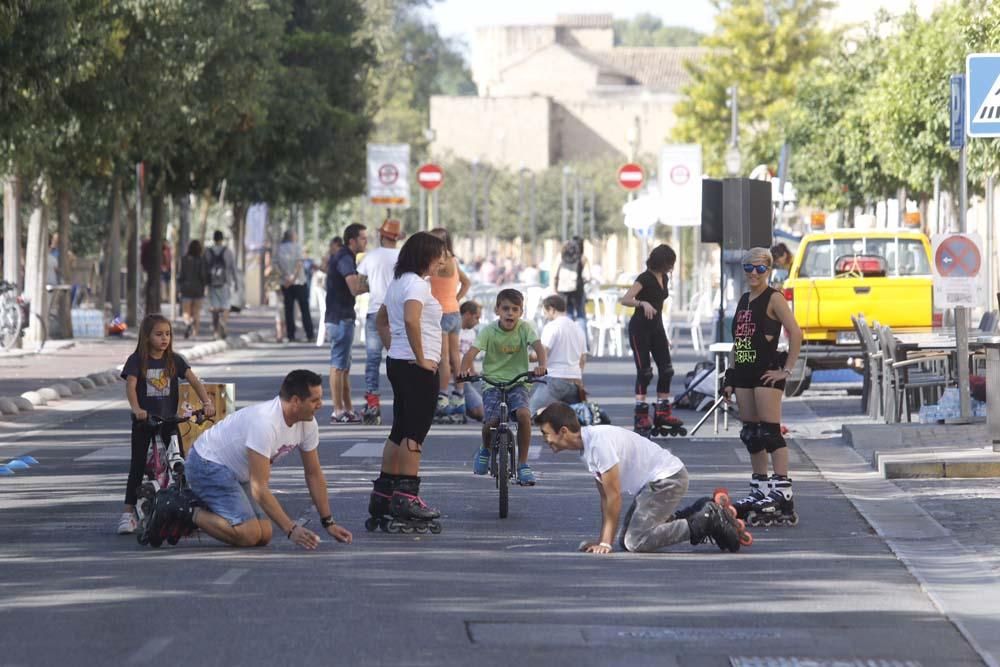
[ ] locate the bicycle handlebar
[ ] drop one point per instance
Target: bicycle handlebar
(156, 420)
(528, 376)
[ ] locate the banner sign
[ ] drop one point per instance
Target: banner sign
(389, 175)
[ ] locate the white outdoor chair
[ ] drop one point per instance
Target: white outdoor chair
(606, 326)
(318, 293)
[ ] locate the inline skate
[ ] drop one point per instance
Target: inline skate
(442, 413)
(379, 505)
(712, 523)
(777, 508)
(642, 424)
(456, 408)
(664, 422)
(722, 498)
(371, 415)
(758, 492)
(408, 511)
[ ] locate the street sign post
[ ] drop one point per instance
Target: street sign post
(956, 136)
(958, 259)
(388, 175)
(982, 75)
(430, 176)
(631, 176)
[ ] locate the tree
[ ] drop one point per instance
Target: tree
(764, 48)
(648, 30)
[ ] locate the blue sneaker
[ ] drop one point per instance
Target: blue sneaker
(481, 464)
(525, 475)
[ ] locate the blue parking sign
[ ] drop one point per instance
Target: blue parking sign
(982, 90)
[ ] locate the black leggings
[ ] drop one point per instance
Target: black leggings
(414, 399)
(141, 435)
(648, 338)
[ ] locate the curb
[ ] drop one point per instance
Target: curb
(67, 389)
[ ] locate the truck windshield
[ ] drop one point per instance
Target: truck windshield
(903, 257)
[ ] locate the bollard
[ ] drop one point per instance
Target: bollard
(993, 389)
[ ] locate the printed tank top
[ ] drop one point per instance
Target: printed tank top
(751, 326)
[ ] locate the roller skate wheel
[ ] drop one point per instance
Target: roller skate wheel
(732, 511)
(406, 529)
(721, 497)
(682, 431)
(435, 528)
(392, 527)
(371, 523)
(746, 539)
(741, 525)
(792, 519)
(421, 528)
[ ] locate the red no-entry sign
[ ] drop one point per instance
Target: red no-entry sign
(430, 176)
(630, 176)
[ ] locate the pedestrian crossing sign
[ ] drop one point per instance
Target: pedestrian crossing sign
(982, 92)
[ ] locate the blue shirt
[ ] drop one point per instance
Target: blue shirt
(339, 299)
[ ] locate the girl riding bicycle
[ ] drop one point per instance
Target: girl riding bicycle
(151, 374)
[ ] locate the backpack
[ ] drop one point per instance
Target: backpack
(590, 413)
(217, 268)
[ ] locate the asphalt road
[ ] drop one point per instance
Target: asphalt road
(485, 591)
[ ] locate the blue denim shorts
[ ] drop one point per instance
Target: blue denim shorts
(341, 336)
(217, 487)
(517, 398)
(451, 323)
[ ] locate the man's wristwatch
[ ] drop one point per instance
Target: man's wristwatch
(327, 521)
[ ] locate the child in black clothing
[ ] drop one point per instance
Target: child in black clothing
(151, 374)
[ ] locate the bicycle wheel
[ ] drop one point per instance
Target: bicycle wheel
(503, 471)
(10, 320)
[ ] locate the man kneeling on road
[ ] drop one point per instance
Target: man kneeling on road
(229, 468)
(623, 461)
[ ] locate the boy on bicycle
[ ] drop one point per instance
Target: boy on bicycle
(506, 343)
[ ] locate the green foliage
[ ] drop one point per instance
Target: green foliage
(648, 30)
(764, 47)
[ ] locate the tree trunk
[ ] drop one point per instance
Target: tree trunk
(184, 233)
(113, 265)
(205, 198)
(239, 232)
(132, 271)
(34, 274)
(12, 230)
(153, 275)
(64, 268)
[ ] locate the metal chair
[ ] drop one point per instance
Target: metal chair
(905, 376)
(871, 395)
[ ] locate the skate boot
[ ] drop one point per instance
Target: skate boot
(777, 508)
(712, 523)
(442, 414)
(642, 424)
(409, 512)
(172, 515)
(456, 408)
(371, 415)
(379, 504)
(745, 506)
(664, 422)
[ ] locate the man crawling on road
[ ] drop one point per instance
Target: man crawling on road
(623, 461)
(229, 470)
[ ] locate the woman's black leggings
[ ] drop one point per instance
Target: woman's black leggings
(141, 433)
(648, 338)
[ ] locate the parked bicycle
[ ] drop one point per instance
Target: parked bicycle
(503, 448)
(16, 312)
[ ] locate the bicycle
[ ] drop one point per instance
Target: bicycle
(164, 470)
(503, 455)
(16, 312)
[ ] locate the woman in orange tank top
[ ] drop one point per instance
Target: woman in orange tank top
(449, 286)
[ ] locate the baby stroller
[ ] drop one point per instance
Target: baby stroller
(164, 476)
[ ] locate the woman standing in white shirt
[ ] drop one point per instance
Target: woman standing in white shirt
(409, 324)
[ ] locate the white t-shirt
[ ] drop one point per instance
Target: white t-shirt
(639, 460)
(260, 427)
(563, 338)
(379, 265)
(411, 287)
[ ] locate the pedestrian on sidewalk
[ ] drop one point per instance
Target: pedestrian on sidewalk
(221, 282)
(648, 338)
(623, 461)
(571, 275)
(567, 354)
(409, 323)
(229, 469)
(151, 374)
(193, 281)
(471, 314)
(449, 286)
(343, 284)
(290, 264)
(506, 343)
(757, 376)
(377, 266)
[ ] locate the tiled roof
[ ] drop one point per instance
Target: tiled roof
(657, 68)
(584, 20)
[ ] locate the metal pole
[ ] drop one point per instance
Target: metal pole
(565, 209)
(520, 206)
(937, 203)
(963, 189)
(423, 210)
(577, 231)
(593, 214)
(435, 208)
(990, 242)
(475, 193)
(962, 352)
(533, 221)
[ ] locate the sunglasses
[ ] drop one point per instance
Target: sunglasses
(759, 268)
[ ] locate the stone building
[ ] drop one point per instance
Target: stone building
(561, 92)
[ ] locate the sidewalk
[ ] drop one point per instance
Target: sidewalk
(65, 361)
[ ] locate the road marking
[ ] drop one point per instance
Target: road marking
(149, 650)
(367, 450)
(113, 453)
(230, 577)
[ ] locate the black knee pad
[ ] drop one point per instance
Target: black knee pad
(771, 438)
(645, 376)
(749, 434)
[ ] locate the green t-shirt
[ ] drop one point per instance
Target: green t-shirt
(506, 352)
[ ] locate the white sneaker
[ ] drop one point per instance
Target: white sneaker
(127, 524)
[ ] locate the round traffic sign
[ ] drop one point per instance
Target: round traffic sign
(430, 176)
(630, 176)
(679, 174)
(958, 257)
(387, 174)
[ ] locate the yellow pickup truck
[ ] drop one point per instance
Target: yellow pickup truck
(884, 274)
